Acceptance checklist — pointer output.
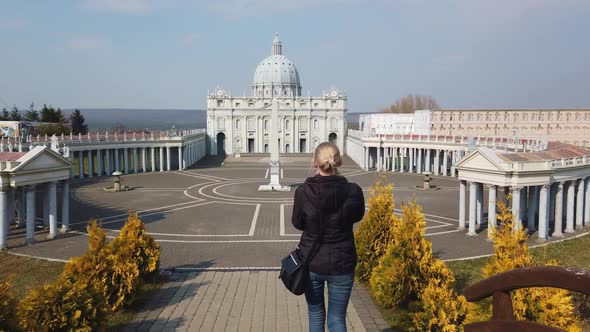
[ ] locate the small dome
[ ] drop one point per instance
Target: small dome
(276, 75)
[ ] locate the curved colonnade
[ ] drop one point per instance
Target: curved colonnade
(549, 182)
(35, 174)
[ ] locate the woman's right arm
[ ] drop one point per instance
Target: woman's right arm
(297, 215)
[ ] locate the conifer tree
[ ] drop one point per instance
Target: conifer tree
(78, 123)
(374, 233)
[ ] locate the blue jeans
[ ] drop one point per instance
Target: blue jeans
(339, 288)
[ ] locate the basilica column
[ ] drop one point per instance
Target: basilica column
(569, 226)
(168, 159)
(116, 152)
(99, 171)
(135, 160)
(580, 205)
(90, 166)
(126, 160)
(153, 157)
(107, 158)
(181, 161)
(532, 210)
(491, 210)
(4, 219)
(161, 159)
(461, 204)
(309, 137)
(516, 204)
(472, 208)
(558, 210)
(65, 207)
(80, 164)
(30, 231)
(52, 201)
(543, 212)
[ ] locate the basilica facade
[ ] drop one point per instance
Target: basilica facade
(242, 124)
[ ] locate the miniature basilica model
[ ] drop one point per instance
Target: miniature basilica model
(243, 124)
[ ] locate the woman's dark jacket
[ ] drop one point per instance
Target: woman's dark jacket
(342, 204)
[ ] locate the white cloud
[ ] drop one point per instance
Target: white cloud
(86, 43)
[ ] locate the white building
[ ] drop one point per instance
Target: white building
(417, 123)
(243, 123)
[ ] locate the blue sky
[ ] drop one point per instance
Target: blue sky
(167, 53)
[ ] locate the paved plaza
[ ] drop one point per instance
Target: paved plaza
(222, 240)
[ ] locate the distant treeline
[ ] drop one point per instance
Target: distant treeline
(54, 120)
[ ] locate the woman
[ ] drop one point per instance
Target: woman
(325, 208)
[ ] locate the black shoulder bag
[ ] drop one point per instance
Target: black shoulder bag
(295, 270)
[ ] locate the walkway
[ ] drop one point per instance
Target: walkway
(240, 301)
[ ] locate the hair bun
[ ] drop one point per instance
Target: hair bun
(331, 161)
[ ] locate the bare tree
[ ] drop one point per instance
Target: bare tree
(411, 103)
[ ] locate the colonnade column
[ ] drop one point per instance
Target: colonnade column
(569, 224)
(401, 159)
(543, 212)
(99, 162)
(366, 158)
(161, 159)
(378, 165)
(587, 203)
(461, 205)
(419, 166)
(492, 193)
(135, 160)
(516, 207)
(126, 160)
(4, 220)
(65, 207)
(153, 159)
(168, 161)
(90, 164)
(30, 231)
(436, 162)
(20, 221)
(557, 232)
(472, 208)
(52, 209)
(411, 152)
(107, 161)
(80, 164)
(479, 204)
(533, 202)
(143, 160)
(116, 152)
(181, 162)
(445, 163)
(428, 162)
(453, 162)
(393, 159)
(580, 205)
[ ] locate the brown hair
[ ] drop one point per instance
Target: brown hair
(327, 158)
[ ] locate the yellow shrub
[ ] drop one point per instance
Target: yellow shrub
(441, 308)
(7, 306)
(111, 269)
(374, 233)
(404, 270)
(62, 306)
(548, 306)
(144, 251)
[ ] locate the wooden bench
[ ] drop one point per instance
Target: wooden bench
(500, 285)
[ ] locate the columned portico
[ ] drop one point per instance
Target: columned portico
(181, 159)
(143, 160)
(107, 158)
(99, 162)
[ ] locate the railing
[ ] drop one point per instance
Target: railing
(500, 285)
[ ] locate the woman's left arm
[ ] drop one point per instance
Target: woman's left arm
(297, 215)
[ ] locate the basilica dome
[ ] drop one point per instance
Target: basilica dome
(276, 76)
